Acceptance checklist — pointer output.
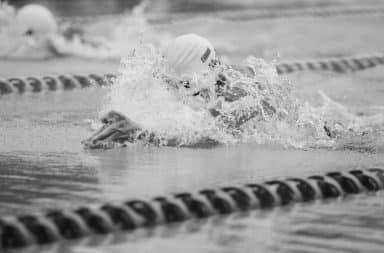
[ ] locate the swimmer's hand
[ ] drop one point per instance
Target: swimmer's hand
(116, 130)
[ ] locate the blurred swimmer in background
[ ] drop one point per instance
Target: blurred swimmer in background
(33, 32)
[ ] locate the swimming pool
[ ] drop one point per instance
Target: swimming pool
(43, 164)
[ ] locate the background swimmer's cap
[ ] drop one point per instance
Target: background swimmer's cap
(189, 54)
(36, 20)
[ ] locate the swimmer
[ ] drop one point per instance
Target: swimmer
(43, 38)
(185, 56)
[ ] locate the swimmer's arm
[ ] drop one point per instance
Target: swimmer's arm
(118, 130)
(230, 91)
(237, 118)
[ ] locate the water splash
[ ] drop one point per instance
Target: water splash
(267, 113)
(8, 31)
(141, 93)
(128, 31)
(6, 13)
(134, 25)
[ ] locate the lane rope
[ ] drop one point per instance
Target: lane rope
(35, 84)
(338, 65)
(56, 225)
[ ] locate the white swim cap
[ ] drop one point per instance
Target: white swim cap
(36, 20)
(189, 54)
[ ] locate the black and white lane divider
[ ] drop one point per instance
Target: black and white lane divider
(53, 83)
(57, 225)
(340, 65)
(74, 81)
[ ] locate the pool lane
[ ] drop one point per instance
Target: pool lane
(43, 165)
(41, 150)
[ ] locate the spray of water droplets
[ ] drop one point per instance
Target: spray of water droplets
(266, 112)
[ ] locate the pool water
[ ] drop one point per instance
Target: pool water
(43, 165)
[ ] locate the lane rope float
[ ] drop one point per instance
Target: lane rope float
(56, 225)
(37, 84)
(74, 81)
(244, 15)
(339, 65)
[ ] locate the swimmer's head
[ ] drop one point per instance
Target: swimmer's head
(36, 21)
(189, 54)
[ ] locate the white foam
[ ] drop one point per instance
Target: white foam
(142, 95)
